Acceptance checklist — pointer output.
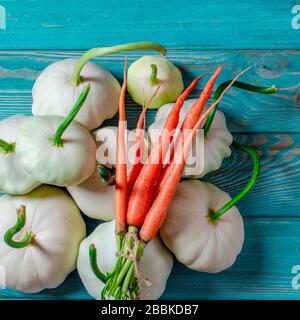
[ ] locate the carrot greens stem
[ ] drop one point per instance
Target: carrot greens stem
(122, 282)
(111, 277)
(121, 275)
(127, 279)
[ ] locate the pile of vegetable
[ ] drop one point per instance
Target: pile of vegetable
(60, 163)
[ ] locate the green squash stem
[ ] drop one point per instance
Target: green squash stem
(153, 77)
(6, 147)
(256, 169)
(94, 265)
(10, 233)
(57, 138)
(107, 175)
(237, 84)
(97, 52)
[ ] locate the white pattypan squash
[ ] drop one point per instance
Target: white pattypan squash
(54, 94)
(195, 240)
(51, 164)
(14, 178)
(44, 251)
(156, 263)
(148, 72)
(59, 85)
(216, 143)
(94, 196)
(57, 150)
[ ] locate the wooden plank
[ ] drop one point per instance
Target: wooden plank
(280, 173)
(246, 112)
(277, 190)
(54, 24)
(262, 271)
(278, 182)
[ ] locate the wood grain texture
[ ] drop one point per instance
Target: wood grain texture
(74, 24)
(246, 112)
(279, 178)
(197, 34)
(262, 271)
(277, 190)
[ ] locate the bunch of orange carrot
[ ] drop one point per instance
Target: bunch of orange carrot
(143, 198)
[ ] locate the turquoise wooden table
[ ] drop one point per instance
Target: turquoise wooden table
(199, 35)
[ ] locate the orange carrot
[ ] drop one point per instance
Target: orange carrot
(191, 119)
(161, 203)
(197, 108)
(141, 195)
(121, 167)
(139, 152)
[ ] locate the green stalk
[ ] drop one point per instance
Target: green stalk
(94, 265)
(121, 275)
(153, 77)
(125, 275)
(103, 173)
(121, 279)
(127, 280)
(97, 52)
(119, 240)
(10, 233)
(107, 175)
(112, 276)
(56, 139)
(124, 264)
(6, 147)
(256, 169)
(237, 84)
